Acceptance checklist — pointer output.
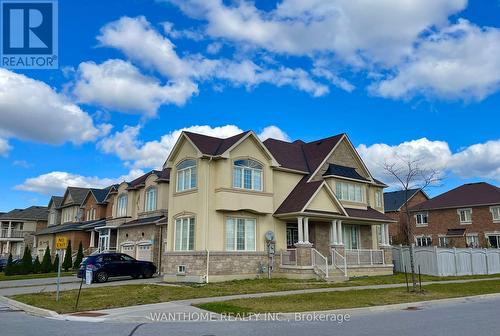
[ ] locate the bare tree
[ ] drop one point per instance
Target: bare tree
(409, 174)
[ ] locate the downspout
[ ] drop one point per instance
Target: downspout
(159, 250)
(207, 198)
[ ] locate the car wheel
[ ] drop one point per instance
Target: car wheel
(101, 276)
(147, 273)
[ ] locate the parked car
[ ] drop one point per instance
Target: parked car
(3, 263)
(106, 265)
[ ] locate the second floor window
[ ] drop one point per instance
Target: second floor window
(122, 206)
(465, 216)
(91, 214)
(378, 199)
(350, 191)
(150, 201)
(421, 218)
(186, 175)
(247, 174)
(495, 212)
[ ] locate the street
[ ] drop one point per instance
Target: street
(464, 318)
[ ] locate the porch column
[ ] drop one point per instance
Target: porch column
(387, 240)
(301, 230)
(340, 238)
(92, 238)
(9, 230)
(306, 230)
(333, 233)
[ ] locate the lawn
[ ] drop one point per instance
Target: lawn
(349, 299)
(4, 277)
(127, 295)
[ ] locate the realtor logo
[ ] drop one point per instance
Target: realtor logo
(29, 34)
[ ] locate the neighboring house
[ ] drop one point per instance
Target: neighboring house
(137, 226)
(17, 229)
(394, 206)
(467, 216)
(316, 200)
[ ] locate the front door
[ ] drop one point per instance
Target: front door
(351, 237)
(292, 235)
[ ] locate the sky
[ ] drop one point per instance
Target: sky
(412, 77)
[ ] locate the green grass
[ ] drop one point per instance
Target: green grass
(128, 295)
(4, 277)
(349, 299)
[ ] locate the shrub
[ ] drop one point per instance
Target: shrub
(79, 256)
(46, 266)
(26, 266)
(68, 261)
(56, 263)
(9, 268)
(37, 267)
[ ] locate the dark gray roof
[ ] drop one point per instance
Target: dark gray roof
(145, 221)
(57, 200)
(31, 213)
(80, 226)
(338, 170)
(77, 194)
(394, 200)
(100, 194)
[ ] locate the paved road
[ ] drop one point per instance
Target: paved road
(50, 285)
(464, 318)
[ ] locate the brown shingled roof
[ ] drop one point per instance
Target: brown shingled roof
(470, 194)
(213, 146)
(163, 175)
(299, 196)
(369, 213)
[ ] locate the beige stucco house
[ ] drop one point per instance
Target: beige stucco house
(316, 203)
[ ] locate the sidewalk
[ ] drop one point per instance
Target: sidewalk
(37, 282)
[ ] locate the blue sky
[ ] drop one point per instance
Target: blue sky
(419, 76)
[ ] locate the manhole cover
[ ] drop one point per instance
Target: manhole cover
(88, 314)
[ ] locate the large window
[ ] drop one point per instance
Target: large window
(472, 240)
(421, 219)
(495, 212)
(423, 241)
(184, 234)
(91, 214)
(240, 234)
(247, 174)
(122, 205)
(465, 216)
(186, 175)
(150, 200)
(350, 191)
(494, 241)
(378, 199)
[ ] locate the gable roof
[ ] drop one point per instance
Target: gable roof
(343, 171)
(56, 200)
(100, 194)
(163, 175)
(211, 145)
(31, 213)
(394, 200)
(470, 194)
(299, 196)
(77, 194)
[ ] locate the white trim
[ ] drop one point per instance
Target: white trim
(492, 214)
(332, 194)
(469, 222)
(226, 152)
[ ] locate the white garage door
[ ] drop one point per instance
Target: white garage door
(128, 249)
(144, 252)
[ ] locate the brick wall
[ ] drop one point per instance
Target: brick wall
(99, 208)
(76, 237)
(397, 230)
(136, 234)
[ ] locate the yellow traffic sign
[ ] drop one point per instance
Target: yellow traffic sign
(61, 243)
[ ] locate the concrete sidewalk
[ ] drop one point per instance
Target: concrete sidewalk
(37, 282)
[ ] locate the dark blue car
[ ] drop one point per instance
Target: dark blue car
(106, 265)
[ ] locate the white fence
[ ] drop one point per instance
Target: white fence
(448, 261)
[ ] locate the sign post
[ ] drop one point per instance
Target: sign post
(61, 244)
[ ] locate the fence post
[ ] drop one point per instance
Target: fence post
(436, 256)
(486, 260)
(402, 257)
(471, 262)
(455, 260)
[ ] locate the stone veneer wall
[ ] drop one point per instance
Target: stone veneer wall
(142, 233)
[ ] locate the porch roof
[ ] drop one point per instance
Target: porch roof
(145, 221)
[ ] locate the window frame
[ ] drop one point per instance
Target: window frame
(421, 215)
(378, 198)
(466, 221)
(191, 234)
(254, 171)
(495, 210)
(344, 188)
(119, 208)
(236, 222)
(147, 199)
(428, 240)
(475, 244)
(191, 169)
(443, 241)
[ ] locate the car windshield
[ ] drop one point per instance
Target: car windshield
(125, 257)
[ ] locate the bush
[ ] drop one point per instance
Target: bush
(9, 267)
(68, 261)
(55, 266)
(26, 266)
(46, 266)
(37, 267)
(79, 256)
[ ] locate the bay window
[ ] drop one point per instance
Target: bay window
(184, 234)
(186, 175)
(347, 191)
(247, 174)
(240, 234)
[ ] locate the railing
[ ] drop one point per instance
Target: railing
(13, 234)
(104, 250)
(339, 261)
(319, 263)
(364, 257)
(289, 257)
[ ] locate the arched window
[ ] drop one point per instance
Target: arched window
(122, 205)
(150, 200)
(186, 175)
(247, 174)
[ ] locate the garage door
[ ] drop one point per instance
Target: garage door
(144, 252)
(128, 249)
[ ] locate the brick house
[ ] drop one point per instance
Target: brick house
(467, 216)
(394, 207)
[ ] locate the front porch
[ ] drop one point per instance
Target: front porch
(335, 249)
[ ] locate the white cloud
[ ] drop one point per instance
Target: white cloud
(170, 31)
(152, 154)
(118, 85)
(478, 160)
(142, 44)
(4, 147)
(460, 61)
(54, 183)
(32, 110)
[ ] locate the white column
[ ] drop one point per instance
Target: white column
(387, 241)
(382, 234)
(306, 230)
(301, 229)
(333, 233)
(9, 230)
(92, 238)
(340, 235)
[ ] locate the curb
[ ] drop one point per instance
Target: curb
(32, 310)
